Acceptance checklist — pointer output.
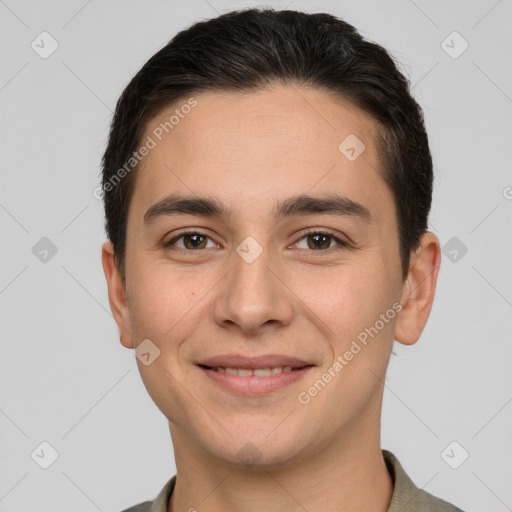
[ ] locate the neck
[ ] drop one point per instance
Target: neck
(343, 476)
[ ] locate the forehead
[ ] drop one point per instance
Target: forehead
(253, 120)
(247, 147)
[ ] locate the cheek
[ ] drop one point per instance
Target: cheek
(352, 300)
(157, 302)
(162, 313)
(168, 308)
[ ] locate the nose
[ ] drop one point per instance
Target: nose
(253, 296)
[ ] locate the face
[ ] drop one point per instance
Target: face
(262, 272)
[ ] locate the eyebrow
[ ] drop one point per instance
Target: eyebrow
(304, 204)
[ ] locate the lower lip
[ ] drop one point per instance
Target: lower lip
(254, 385)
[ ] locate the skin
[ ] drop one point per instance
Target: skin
(251, 150)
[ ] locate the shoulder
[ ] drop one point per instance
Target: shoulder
(406, 496)
(160, 503)
(426, 502)
(141, 507)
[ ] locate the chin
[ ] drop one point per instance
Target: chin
(260, 452)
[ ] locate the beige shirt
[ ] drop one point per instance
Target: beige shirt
(406, 496)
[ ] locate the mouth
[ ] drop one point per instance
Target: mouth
(258, 372)
(254, 381)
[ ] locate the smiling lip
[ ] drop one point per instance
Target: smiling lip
(254, 384)
(265, 361)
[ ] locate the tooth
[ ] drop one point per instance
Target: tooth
(262, 372)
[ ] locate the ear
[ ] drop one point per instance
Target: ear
(418, 290)
(117, 294)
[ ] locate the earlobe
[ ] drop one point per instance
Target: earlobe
(418, 290)
(116, 294)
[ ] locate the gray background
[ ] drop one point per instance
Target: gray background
(64, 376)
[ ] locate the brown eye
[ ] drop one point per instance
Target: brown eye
(191, 240)
(320, 241)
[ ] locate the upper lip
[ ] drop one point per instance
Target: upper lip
(264, 361)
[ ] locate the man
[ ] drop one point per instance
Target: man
(267, 184)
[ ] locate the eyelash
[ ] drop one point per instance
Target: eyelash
(341, 243)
